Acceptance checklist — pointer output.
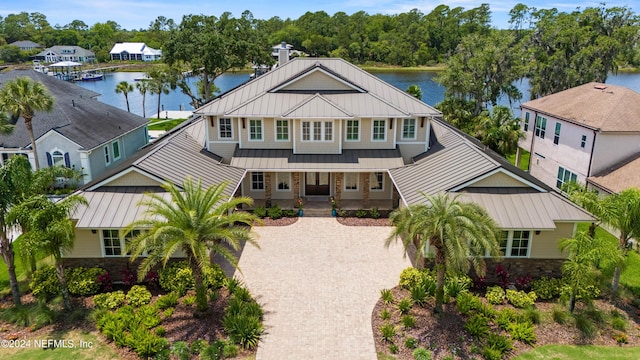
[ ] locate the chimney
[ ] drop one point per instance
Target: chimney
(283, 54)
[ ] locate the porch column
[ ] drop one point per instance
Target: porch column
(518, 156)
(338, 193)
(395, 198)
(296, 184)
(267, 189)
(365, 178)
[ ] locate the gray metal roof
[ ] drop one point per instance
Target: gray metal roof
(528, 210)
(110, 209)
(258, 97)
(286, 160)
(76, 115)
(58, 49)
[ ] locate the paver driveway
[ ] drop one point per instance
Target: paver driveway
(318, 282)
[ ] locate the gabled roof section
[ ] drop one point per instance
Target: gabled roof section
(76, 115)
(318, 107)
(597, 106)
(619, 177)
(317, 79)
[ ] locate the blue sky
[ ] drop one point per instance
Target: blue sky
(136, 14)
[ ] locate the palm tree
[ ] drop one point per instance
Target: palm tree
(23, 96)
(461, 234)
(197, 222)
(580, 269)
(500, 130)
(125, 88)
(49, 229)
(415, 91)
(143, 87)
(5, 126)
(160, 82)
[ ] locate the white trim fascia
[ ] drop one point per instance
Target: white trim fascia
(428, 136)
(85, 165)
(294, 137)
(410, 142)
(244, 174)
(298, 78)
(395, 132)
(493, 172)
(207, 121)
(123, 173)
(239, 131)
(49, 133)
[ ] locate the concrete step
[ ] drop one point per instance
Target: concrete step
(317, 212)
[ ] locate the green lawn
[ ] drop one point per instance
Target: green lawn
(524, 159)
(591, 352)
(85, 346)
(21, 270)
(164, 124)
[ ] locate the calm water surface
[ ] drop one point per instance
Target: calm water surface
(432, 92)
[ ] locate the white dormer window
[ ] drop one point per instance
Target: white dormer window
(282, 130)
(379, 130)
(353, 130)
(255, 130)
(408, 129)
(225, 131)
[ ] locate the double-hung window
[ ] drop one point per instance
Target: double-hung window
(111, 242)
(116, 149)
(283, 181)
(408, 129)
(282, 130)
(57, 158)
(515, 243)
(556, 134)
(351, 181)
(565, 176)
(353, 130)
(379, 130)
(526, 121)
(225, 131)
(255, 130)
(257, 180)
(541, 126)
(376, 181)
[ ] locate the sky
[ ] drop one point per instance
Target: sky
(138, 14)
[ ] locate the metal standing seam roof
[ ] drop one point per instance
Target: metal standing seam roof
(598, 106)
(286, 160)
(110, 209)
(377, 91)
(537, 211)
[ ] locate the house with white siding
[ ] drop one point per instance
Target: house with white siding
(59, 53)
(589, 134)
(134, 51)
(312, 129)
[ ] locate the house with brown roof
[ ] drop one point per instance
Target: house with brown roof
(318, 128)
(589, 134)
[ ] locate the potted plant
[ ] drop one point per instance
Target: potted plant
(299, 206)
(334, 206)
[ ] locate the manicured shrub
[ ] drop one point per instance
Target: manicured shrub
(148, 316)
(275, 212)
(495, 295)
(243, 330)
(110, 300)
(230, 350)
(167, 301)
(411, 343)
(32, 315)
(388, 332)
(523, 282)
(559, 315)
(260, 211)
(83, 281)
(214, 351)
(621, 338)
(138, 295)
(168, 312)
(585, 325)
(180, 349)
(523, 332)
(499, 342)
(477, 326)
(44, 283)
(520, 299)
(105, 281)
(421, 354)
(531, 315)
(128, 277)
(486, 310)
(178, 277)
(374, 213)
(189, 300)
(505, 317)
(385, 314)
(393, 348)
(409, 321)
(618, 320)
(290, 213)
(405, 305)
(490, 353)
(419, 294)
(197, 345)
(409, 277)
(464, 303)
(386, 295)
(160, 331)
(361, 213)
(547, 288)
(453, 285)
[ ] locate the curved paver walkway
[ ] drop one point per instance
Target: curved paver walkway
(318, 282)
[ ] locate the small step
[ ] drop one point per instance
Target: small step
(317, 212)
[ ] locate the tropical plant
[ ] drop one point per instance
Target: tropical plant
(23, 97)
(143, 88)
(5, 126)
(199, 222)
(459, 232)
(415, 91)
(125, 88)
(50, 228)
(161, 81)
(499, 130)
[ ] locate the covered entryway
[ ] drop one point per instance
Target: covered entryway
(317, 183)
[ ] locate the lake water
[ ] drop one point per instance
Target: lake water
(432, 92)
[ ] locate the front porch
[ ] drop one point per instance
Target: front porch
(321, 206)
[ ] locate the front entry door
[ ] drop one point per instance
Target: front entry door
(316, 183)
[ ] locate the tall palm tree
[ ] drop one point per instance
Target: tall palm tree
(195, 221)
(143, 88)
(49, 229)
(24, 96)
(500, 130)
(461, 234)
(125, 88)
(5, 126)
(161, 81)
(415, 91)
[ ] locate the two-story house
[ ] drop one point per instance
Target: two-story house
(583, 134)
(314, 128)
(66, 53)
(80, 133)
(134, 51)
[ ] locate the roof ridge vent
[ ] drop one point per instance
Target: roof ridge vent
(600, 86)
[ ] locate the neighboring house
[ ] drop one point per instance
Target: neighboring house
(291, 52)
(65, 53)
(134, 51)
(315, 128)
(80, 132)
(589, 134)
(26, 45)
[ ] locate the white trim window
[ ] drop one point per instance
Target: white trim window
(351, 181)
(408, 129)
(516, 243)
(317, 131)
(526, 121)
(353, 130)
(541, 126)
(255, 130)
(257, 181)
(107, 155)
(376, 181)
(282, 130)
(116, 149)
(283, 181)
(225, 129)
(556, 134)
(379, 130)
(57, 158)
(565, 176)
(111, 244)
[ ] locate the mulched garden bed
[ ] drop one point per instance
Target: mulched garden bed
(283, 221)
(445, 334)
(355, 221)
